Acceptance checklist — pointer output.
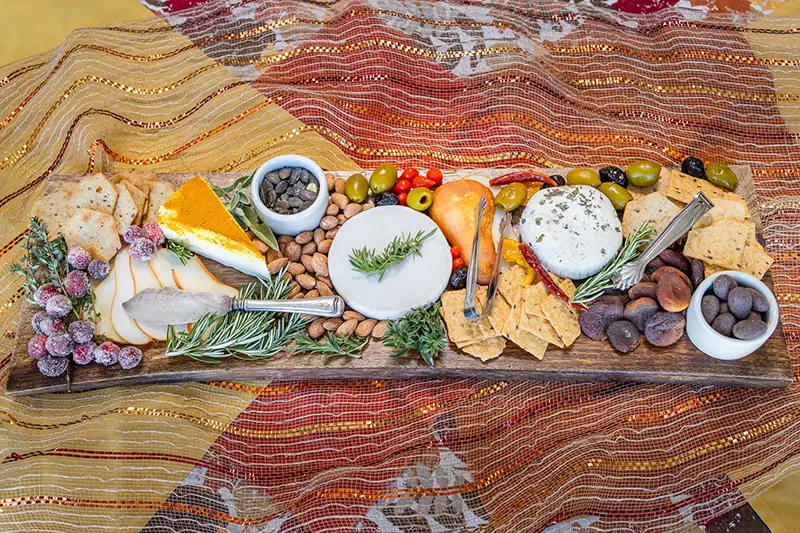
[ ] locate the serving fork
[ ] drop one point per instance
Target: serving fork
(632, 273)
(471, 313)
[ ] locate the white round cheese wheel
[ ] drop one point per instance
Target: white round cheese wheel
(417, 281)
(573, 230)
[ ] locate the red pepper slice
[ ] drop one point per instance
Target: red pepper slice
(522, 177)
(544, 275)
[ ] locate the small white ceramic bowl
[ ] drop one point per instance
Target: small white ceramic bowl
(299, 222)
(719, 346)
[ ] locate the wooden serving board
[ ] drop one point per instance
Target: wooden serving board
(585, 360)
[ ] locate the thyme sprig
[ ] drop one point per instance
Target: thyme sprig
(372, 263)
(421, 330)
(240, 334)
(593, 287)
(333, 346)
(178, 250)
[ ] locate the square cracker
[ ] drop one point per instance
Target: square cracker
(527, 341)
(486, 349)
(683, 187)
(532, 297)
(509, 283)
(159, 192)
(125, 211)
(140, 179)
(52, 208)
(563, 317)
(94, 231)
(721, 243)
(655, 208)
(458, 329)
(501, 309)
(540, 327)
(724, 208)
(755, 260)
(139, 198)
(96, 193)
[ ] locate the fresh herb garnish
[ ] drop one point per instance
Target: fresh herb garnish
(593, 287)
(178, 250)
(240, 334)
(236, 198)
(334, 346)
(371, 263)
(421, 330)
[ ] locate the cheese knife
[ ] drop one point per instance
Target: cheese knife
(174, 306)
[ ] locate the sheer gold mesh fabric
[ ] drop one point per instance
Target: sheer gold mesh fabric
(355, 84)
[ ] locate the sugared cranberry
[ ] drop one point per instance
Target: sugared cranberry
(107, 353)
(79, 258)
(52, 366)
(44, 293)
(52, 326)
(143, 249)
(37, 346)
(132, 233)
(58, 306)
(129, 357)
(36, 320)
(81, 331)
(153, 232)
(83, 354)
(60, 345)
(77, 284)
(98, 269)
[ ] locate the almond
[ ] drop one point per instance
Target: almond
(340, 199)
(349, 314)
(276, 265)
(365, 207)
(260, 246)
(306, 260)
(347, 328)
(309, 248)
(285, 239)
(332, 324)
(352, 210)
(328, 223)
(316, 329)
(365, 327)
(330, 234)
(320, 264)
(295, 269)
(273, 255)
(293, 251)
(298, 296)
(325, 246)
(331, 179)
(324, 290)
(319, 235)
(306, 281)
(313, 293)
(296, 289)
(341, 218)
(332, 210)
(380, 329)
(325, 281)
(338, 185)
(304, 237)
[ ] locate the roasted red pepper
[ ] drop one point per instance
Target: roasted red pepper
(523, 177)
(544, 275)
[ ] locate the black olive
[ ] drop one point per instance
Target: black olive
(458, 279)
(614, 175)
(387, 198)
(559, 179)
(694, 167)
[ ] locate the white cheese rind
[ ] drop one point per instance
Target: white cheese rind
(573, 230)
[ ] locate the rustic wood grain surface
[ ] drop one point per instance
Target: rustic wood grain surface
(585, 360)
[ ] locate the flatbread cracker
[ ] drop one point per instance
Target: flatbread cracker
(159, 192)
(458, 329)
(96, 193)
(139, 198)
(540, 327)
(655, 208)
(141, 179)
(52, 209)
(94, 231)
(721, 243)
(755, 260)
(563, 317)
(724, 208)
(683, 187)
(501, 310)
(532, 297)
(528, 342)
(509, 283)
(125, 211)
(485, 350)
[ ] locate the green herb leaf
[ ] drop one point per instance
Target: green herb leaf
(421, 330)
(333, 347)
(260, 229)
(371, 263)
(178, 250)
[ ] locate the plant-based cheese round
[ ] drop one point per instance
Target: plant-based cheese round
(573, 230)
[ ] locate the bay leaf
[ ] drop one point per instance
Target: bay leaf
(261, 230)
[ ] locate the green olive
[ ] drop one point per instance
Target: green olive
(511, 196)
(419, 198)
(618, 195)
(356, 188)
(721, 175)
(643, 173)
(383, 178)
(583, 176)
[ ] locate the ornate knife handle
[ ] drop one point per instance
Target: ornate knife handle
(329, 306)
(677, 227)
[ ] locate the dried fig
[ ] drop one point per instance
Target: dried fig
(674, 259)
(600, 314)
(655, 276)
(643, 289)
(653, 265)
(639, 311)
(672, 292)
(664, 329)
(698, 273)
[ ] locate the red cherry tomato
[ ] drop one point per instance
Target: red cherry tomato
(401, 186)
(422, 181)
(409, 174)
(402, 197)
(435, 175)
(455, 251)
(457, 262)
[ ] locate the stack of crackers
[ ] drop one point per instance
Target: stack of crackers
(723, 239)
(527, 315)
(95, 211)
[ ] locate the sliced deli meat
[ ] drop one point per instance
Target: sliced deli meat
(574, 230)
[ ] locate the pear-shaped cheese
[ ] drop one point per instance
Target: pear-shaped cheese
(124, 325)
(103, 298)
(193, 276)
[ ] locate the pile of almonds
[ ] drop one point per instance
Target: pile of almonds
(306, 260)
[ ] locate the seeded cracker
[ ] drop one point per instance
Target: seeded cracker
(509, 283)
(159, 192)
(654, 208)
(721, 243)
(501, 309)
(139, 197)
(486, 349)
(527, 341)
(458, 329)
(540, 327)
(125, 211)
(755, 261)
(532, 297)
(94, 231)
(724, 208)
(562, 316)
(95, 192)
(52, 209)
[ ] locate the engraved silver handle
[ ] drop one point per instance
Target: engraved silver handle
(470, 313)
(677, 227)
(329, 306)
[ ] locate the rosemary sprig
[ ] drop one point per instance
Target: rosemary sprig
(236, 198)
(593, 287)
(178, 250)
(240, 334)
(334, 346)
(371, 263)
(421, 330)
